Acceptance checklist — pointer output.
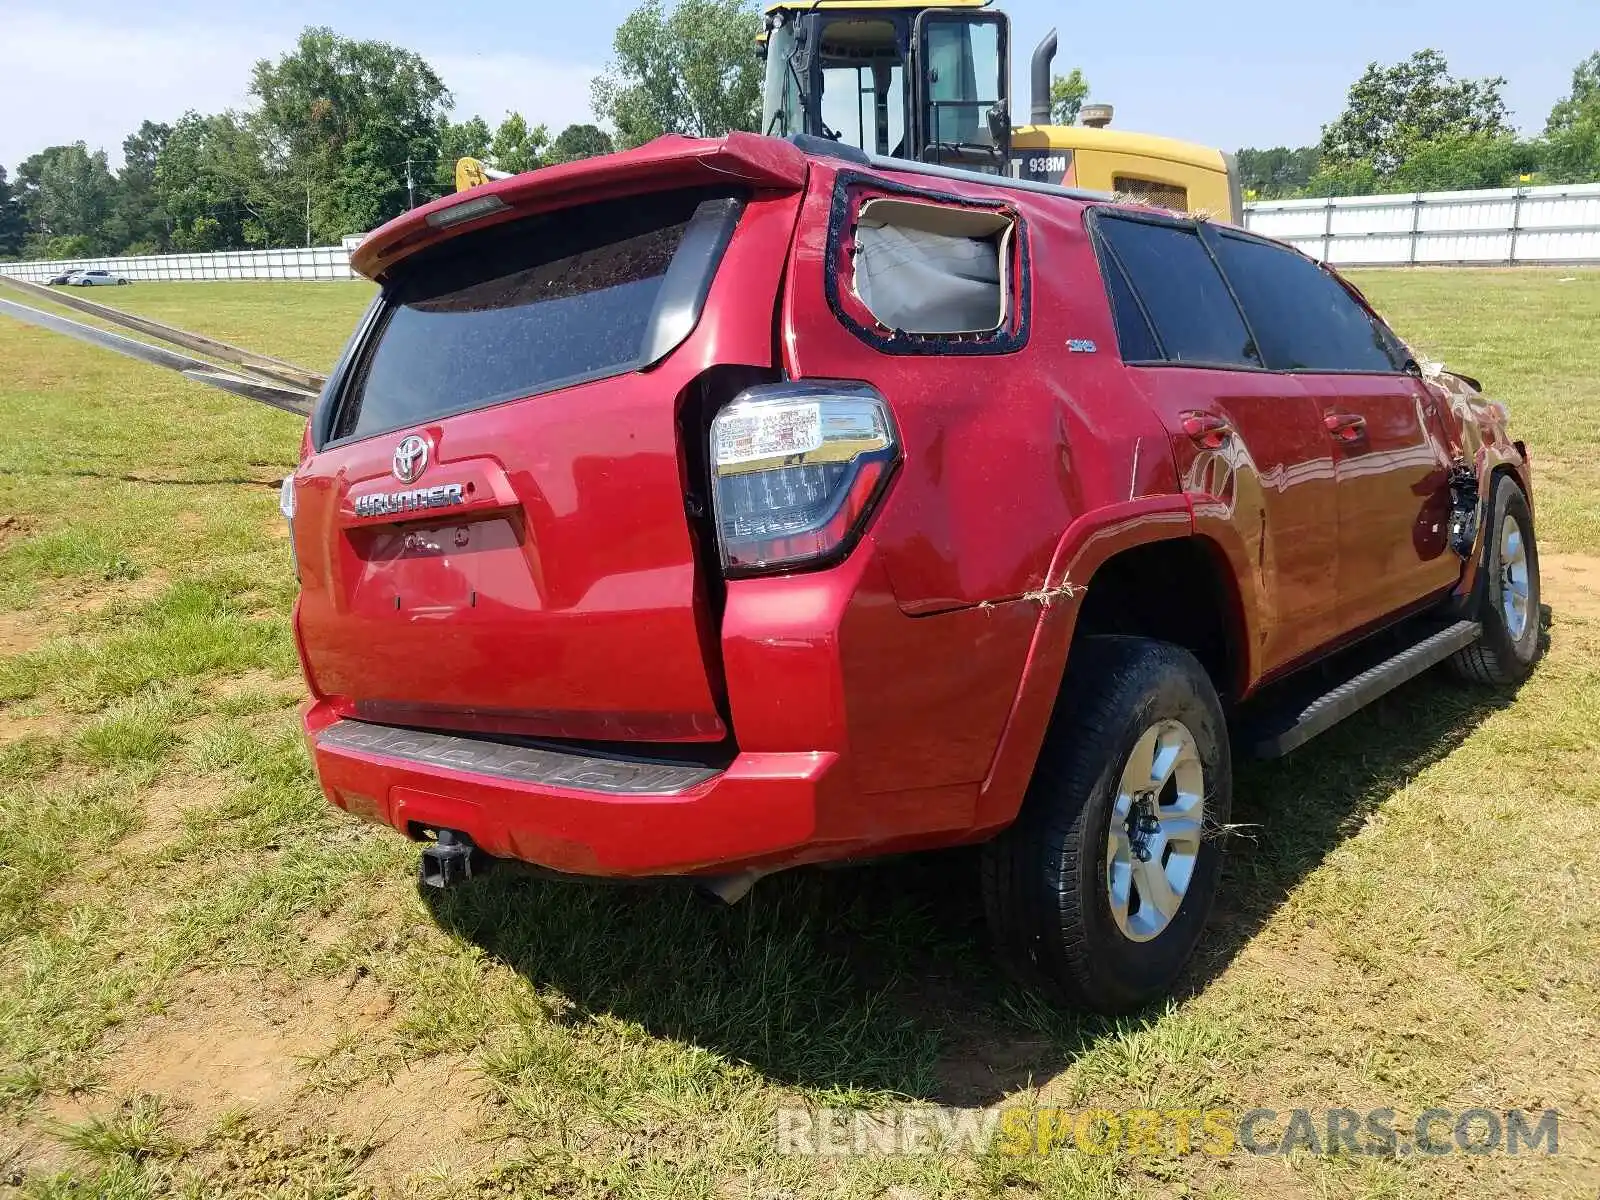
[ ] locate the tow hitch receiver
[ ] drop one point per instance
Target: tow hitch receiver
(447, 861)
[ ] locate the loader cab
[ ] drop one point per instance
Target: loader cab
(900, 81)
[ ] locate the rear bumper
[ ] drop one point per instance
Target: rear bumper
(862, 731)
(580, 815)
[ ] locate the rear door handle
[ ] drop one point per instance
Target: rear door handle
(1207, 430)
(1347, 427)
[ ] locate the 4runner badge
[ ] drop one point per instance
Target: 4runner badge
(386, 504)
(410, 461)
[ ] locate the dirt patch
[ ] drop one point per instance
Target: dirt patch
(425, 1118)
(11, 528)
(1571, 584)
(226, 1048)
(164, 808)
(27, 1151)
(234, 1045)
(20, 632)
(131, 592)
(15, 728)
(979, 1070)
(259, 681)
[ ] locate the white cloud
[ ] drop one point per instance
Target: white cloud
(490, 85)
(68, 78)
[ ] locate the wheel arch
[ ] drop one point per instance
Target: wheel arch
(1126, 596)
(1131, 541)
(1493, 465)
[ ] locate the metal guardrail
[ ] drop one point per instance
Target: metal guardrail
(253, 376)
(301, 263)
(1496, 226)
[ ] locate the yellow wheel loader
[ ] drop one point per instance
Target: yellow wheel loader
(931, 82)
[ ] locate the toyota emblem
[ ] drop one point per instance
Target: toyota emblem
(410, 458)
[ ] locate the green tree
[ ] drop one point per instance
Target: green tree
(579, 141)
(75, 245)
(1390, 111)
(1459, 162)
(212, 182)
(1581, 102)
(468, 139)
(141, 223)
(515, 147)
(68, 192)
(1067, 95)
(339, 119)
(1572, 152)
(1279, 172)
(13, 225)
(692, 70)
(1343, 178)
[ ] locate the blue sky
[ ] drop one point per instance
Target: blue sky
(1251, 72)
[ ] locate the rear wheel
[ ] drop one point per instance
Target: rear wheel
(1100, 890)
(1506, 595)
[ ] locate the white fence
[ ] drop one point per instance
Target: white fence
(1496, 226)
(313, 262)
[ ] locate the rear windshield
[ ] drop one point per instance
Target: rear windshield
(522, 308)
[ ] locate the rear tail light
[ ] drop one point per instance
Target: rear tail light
(796, 470)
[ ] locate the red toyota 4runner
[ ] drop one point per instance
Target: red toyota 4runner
(725, 506)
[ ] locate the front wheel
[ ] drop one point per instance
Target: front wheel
(1100, 890)
(1506, 594)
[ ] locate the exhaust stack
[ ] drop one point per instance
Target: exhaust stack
(1042, 58)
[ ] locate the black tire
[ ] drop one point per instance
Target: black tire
(1501, 657)
(1045, 878)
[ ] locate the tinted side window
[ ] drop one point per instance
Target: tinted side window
(1304, 319)
(1134, 338)
(1195, 317)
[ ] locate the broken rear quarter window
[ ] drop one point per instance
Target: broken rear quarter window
(931, 269)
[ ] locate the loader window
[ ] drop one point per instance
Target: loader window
(531, 306)
(964, 81)
(863, 85)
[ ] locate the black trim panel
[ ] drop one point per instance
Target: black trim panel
(689, 276)
(519, 763)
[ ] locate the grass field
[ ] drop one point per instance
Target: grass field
(213, 985)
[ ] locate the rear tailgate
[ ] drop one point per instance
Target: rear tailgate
(493, 533)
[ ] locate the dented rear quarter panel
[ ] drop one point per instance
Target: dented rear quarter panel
(1024, 468)
(1004, 449)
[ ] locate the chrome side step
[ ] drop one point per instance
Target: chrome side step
(1290, 728)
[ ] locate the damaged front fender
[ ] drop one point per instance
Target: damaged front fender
(1478, 436)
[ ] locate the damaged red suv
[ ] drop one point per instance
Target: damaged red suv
(725, 506)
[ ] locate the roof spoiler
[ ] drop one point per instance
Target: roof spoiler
(667, 162)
